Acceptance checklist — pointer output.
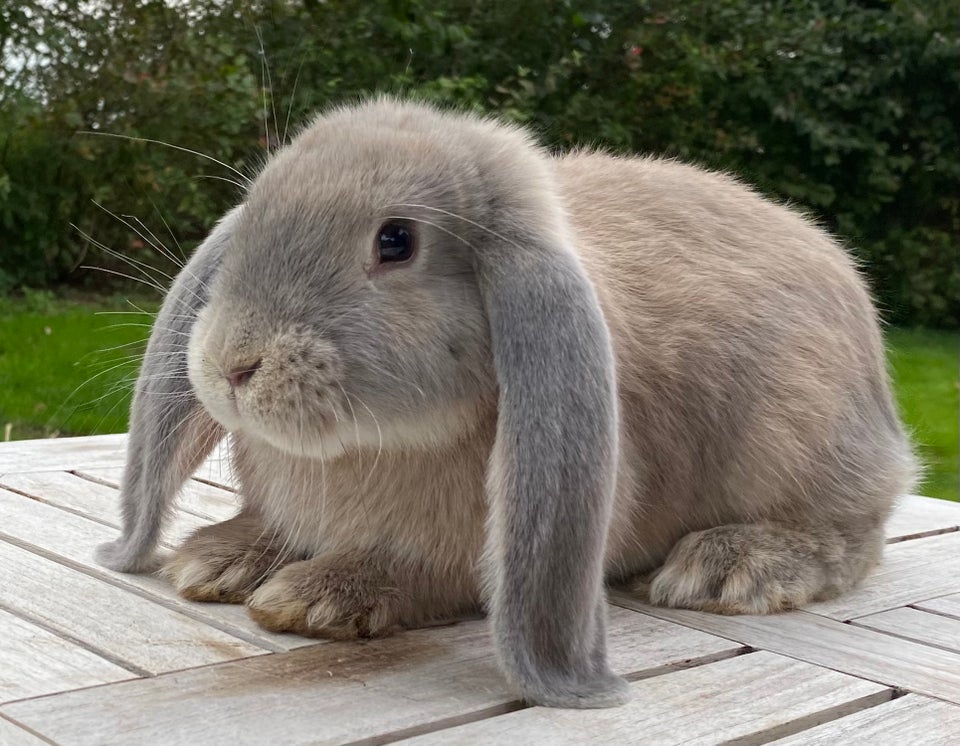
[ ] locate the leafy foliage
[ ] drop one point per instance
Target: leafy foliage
(843, 107)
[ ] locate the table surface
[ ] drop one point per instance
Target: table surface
(89, 656)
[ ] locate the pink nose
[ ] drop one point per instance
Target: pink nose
(239, 376)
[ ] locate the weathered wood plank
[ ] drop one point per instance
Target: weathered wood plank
(733, 699)
(35, 661)
(97, 501)
(826, 642)
(912, 571)
(12, 735)
(204, 500)
(335, 693)
(919, 516)
(216, 468)
(62, 454)
(126, 628)
(906, 721)
(72, 539)
(946, 605)
(912, 624)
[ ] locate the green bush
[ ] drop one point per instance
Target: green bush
(846, 109)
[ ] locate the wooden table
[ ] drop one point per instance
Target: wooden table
(89, 656)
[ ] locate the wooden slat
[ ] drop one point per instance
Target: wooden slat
(72, 539)
(12, 735)
(62, 454)
(754, 694)
(907, 721)
(217, 469)
(912, 571)
(912, 624)
(124, 627)
(335, 693)
(919, 516)
(34, 661)
(825, 642)
(204, 500)
(97, 501)
(946, 605)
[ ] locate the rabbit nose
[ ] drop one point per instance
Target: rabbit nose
(239, 376)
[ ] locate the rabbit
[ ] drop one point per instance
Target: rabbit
(459, 372)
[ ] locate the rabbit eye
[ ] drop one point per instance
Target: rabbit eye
(395, 243)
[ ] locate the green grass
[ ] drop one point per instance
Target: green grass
(924, 365)
(67, 364)
(58, 376)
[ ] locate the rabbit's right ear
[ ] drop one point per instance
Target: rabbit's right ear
(170, 433)
(550, 480)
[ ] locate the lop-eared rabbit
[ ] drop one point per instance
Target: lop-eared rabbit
(460, 372)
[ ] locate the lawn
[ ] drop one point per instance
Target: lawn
(67, 367)
(924, 365)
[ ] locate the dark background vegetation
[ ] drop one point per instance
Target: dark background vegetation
(848, 109)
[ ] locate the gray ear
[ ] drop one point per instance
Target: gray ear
(170, 434)
(551, 476)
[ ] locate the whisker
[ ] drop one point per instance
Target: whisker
(151, 285)
(293, 96)
(176, 243)
(243, 176)
(461, 217)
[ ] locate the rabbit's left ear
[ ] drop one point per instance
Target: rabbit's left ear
(551, 475)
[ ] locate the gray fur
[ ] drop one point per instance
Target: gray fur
(594, 366)
(170, 433)
(552, 469)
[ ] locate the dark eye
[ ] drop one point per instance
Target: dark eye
(395, 242)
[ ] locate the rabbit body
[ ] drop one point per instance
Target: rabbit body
(710, 402)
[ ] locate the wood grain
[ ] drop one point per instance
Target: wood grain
(916, 516)
(12, 735)
(912, 571)
(907, 721)
(217, 469)
(130, 630)
(34, 661)
(96, 501)
(945, 605)
(733, 699)
(913, 624)
(204, 500)
(62, 454)
(825, 642)
(339, 692)
(71, 539)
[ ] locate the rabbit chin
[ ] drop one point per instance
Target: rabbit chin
(428, 430)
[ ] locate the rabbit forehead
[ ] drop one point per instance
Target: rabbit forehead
(329, 197)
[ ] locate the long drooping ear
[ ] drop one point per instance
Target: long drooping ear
(170, 434)
(551, 475)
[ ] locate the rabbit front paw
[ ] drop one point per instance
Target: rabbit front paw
(225, 562)
(336, 598)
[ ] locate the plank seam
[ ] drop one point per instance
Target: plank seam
(504, 708)
(898, 636)
(116, 486)
(64, 508)
(624, 601)
(89, 647)
(28, 729)
(187, 611)
(702, 660)
(219, 485)
(923, 534)
(442, 724)
(814, 719)
(919, 606)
